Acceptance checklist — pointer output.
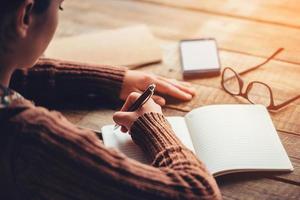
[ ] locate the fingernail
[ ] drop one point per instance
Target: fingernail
(188, 96)
(193, 91)
(163, 102)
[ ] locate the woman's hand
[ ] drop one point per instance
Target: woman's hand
(126, 119)
(135, 81)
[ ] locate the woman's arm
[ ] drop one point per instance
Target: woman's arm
(57, 83)
(55, 160)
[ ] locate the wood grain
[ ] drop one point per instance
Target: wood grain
(280, 12)
(170, 23)
(253, 188)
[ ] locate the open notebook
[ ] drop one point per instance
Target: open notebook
(227, 138)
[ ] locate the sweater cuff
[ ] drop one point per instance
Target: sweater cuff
(153, 133)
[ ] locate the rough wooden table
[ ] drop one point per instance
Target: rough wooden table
(247, 33)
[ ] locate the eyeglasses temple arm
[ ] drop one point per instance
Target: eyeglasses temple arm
(263, 63)
(277, 107)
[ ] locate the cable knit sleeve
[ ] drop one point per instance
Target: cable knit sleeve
(58, 83)
(53, 159)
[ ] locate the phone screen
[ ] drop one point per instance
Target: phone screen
(199, 56)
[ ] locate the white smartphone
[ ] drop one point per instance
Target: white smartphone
(200, 57)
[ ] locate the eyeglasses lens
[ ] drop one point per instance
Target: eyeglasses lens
(259, 94)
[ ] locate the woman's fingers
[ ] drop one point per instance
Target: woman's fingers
(139, 81)
(184, 86)
(159, 100)
(124, 119)
(130, 100)
(135, 95)
(167, 88)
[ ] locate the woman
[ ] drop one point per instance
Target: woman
(43, 156)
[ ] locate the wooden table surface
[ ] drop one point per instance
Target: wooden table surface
(247, 32)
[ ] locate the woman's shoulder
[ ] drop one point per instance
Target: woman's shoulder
(39, 127)
(23, 113)
(12, 109)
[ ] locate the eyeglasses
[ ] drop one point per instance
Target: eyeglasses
(233, 84)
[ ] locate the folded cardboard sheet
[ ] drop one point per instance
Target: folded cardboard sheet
(131, 46)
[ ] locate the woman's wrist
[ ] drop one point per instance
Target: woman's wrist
(153, 133)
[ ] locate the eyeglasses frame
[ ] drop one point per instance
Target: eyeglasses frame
(245, 94)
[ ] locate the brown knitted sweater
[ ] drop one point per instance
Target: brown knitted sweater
(43, 156)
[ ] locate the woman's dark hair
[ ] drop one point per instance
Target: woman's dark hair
(8, 10)
(12, 5)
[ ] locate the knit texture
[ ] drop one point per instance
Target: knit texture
(44, 156)
(52, 83)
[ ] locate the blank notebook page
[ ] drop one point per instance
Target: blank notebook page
(123, 142)
(235, 137)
